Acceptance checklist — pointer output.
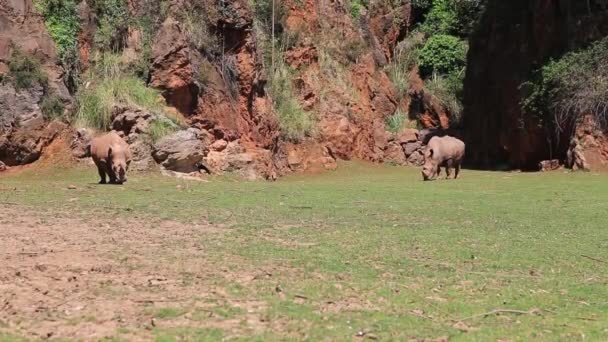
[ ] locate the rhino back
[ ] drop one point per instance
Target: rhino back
(447, 148)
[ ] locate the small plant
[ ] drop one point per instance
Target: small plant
(357, 7)
(396, 122)
(442, 54)
(160, 128)
(25, 71)
(52, 107)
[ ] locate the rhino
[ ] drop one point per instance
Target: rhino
(441, 152)
(112, 157)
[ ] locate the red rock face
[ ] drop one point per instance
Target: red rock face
(515, 38)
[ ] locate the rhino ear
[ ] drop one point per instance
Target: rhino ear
(431, 152)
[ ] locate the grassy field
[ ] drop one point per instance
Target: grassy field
(363, 253)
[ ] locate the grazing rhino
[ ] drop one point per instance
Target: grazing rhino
(112, 156)
(440, 152)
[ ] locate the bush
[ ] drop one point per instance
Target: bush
(448, 90)
(452, 17)
(441, 19)
(25, 71)
(442, 54)
(356, 7)
(62, 22)
(569, 87)
(52, 107)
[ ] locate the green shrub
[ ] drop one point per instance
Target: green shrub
(452, 17)
(442, 54)
(25, 71)
(113, 22)
(62, 22)
(294, 122)
(356, 7)
(448, 90)
(441, 19)
(566, 88)
(52, 107)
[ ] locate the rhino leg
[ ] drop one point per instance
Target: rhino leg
(102, 174)
(457, 167)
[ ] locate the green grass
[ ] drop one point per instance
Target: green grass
(375, 249)
(163, 313)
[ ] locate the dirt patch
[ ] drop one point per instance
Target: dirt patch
(90, 278)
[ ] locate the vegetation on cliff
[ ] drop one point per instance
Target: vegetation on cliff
(566, 88)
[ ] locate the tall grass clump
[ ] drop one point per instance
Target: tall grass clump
(295, 123)
(160, 128)
(109, 86)
(448, 90)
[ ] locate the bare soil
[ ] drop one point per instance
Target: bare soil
(87, 278)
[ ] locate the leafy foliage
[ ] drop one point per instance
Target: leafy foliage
(25, 71)
(62, 22)
(442, 54)
(357, 6)
(566, 88)
(453, 17)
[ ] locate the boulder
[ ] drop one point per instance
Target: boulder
(408, 135)
(23, 131)
(411, 147)
(132, 121)
(181, 151)
(394, 154)
(548, 165)
(80, 143)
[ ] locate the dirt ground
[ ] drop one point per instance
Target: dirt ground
(89, 278)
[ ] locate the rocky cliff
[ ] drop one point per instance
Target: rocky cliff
(210, 62)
